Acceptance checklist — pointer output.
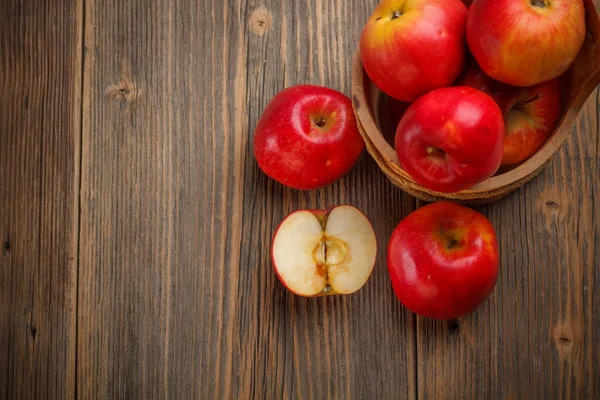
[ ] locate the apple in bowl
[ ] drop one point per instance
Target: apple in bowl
(324, 252)
(451, 139)
(443, 260)
(525, 42)
(530, 114)
(307, 137)
(410, 47)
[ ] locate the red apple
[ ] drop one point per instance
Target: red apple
(530, 114)
(525, 42)
(443, 260)
(451, 139)
(307, 137)
(317, 252)
(409, 48)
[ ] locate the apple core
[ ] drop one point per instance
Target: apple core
(316, 254)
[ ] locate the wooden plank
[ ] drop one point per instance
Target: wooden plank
(177, 294)
(40, 81)
(316, 348)
(537, 336)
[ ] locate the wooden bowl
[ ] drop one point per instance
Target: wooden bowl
(371, 108)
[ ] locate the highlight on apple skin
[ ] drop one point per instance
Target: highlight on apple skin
(307, 137)
(324, 252)
(409, 48)
(443, 260)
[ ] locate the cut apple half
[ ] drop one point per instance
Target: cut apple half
(318, 253)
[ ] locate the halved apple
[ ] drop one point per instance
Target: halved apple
(318, 252)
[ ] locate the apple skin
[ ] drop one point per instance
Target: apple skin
(525, 42)
(451, 139)
(291, 147)
(418, 51)
(443, 260)
(473, 76)
(530, 114)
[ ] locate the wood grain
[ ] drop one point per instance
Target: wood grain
(177, 294)
(40, 83)
(171, 292)
(537, 336)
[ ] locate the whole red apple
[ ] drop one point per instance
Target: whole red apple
(409, 48)
(530, 114)
(307, 137)
(451, 139)
(443, 260)
(525, 42)
(318, 252)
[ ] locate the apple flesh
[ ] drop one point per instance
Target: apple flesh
(410, 47)
(451, 139)
(525, 42)
(443, 260)
(307, 137)
(530, 114)
(317, 253)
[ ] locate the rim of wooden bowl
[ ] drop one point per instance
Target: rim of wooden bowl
(365, 97)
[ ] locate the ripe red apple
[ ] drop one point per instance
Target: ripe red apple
(307, 137)
(318, 252)
(530, 114)
(525, 42)
(443, 260)
(451, 139)
(409, 48)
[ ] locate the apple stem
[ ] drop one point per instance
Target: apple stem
(531, 100)
(539, 3)
(451, 244)
(396, 14)
(521, 104)
(321, 122)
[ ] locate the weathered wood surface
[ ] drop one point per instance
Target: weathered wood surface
(40, 127)
(136, 225)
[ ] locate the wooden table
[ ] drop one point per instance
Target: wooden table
(135, 224)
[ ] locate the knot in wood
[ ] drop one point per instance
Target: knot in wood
(565, 341)
(552, 205)
(260, 21)
(454, 326)
(124, 90)
(32, 331)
